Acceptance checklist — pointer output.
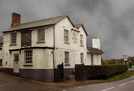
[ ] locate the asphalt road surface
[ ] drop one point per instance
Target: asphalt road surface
(16, 83)
(122, 85)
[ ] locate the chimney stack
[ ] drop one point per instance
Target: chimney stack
(16, 18)
(96, 43)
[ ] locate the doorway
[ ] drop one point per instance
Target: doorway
(16, 63)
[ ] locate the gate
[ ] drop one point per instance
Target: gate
(59, 73)
(79, 72)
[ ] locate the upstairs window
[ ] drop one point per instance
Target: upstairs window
(1, 46)
(41, 35)
(82, 57)
(66, 36)
(28, 57)
(81, 40)
(67, 58)
(13, 38)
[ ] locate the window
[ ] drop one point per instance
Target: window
(66, 36)
(41, 35)
(1, 46)
(28, 57)
(82, 57)
(13, 38)
(81, 40)
(16, 57)
(66, 58)
(0, 62)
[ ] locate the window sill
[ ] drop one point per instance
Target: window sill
(66, 42)
(13, 44)
(40, 42)
(67, 64)
(28, 65)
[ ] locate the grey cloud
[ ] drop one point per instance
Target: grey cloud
(98, 17)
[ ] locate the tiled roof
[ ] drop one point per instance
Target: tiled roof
(94, 50)
(43, 22)
(80, 25)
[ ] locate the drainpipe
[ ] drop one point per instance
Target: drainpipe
(54, 52)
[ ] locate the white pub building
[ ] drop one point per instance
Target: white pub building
(35, 49)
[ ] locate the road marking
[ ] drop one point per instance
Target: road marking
(131, 81)
(63, 90)
(108, 89)
(78, 87)
(123, 84)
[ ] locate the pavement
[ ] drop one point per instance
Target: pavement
(131, 69)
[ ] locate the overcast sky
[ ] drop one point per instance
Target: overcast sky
(110, 20)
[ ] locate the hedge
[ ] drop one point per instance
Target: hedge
(104, 71)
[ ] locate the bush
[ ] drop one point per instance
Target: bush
(102, 72)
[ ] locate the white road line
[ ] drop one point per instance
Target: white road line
(108, 89)
(131, 81)
(123, 84)
(78, 87)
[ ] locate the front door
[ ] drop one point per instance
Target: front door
(16, 63)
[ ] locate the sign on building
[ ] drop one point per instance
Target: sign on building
(26, 38)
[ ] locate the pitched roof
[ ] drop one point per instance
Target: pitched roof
(80, 25)
(1, 39)
(94, 50)
(50, 21)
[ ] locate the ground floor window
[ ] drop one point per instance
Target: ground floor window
(82, 57)
(0, 62)
(28, 57)
(67, 58)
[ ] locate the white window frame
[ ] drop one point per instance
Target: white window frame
(81, 40)
(67, 63)
(82, 57)
(13, 38)
(28, 57)
(41, 35)
(66, 36)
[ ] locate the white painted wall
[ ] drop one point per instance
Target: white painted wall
(1, 54)
(43, 58)
(96, 43)
(88, 62)
(73, 48)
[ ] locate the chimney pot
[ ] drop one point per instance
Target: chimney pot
(16, 18)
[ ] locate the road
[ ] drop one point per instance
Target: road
(16, 83)
(122, 85)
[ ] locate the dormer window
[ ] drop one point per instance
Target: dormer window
(13, 38)
(41, 35)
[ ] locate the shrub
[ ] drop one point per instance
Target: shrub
(104, 71)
